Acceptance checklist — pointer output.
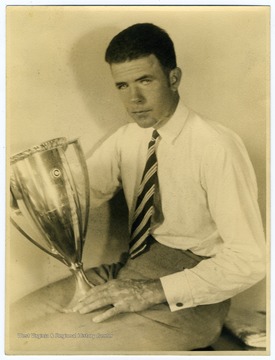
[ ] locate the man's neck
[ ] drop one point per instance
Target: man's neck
(171, 112)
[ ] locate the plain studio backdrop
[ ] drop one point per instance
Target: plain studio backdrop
(59, 85)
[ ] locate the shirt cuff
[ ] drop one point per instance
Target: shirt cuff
(177, 291)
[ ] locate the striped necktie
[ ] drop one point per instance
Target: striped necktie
(144, 206)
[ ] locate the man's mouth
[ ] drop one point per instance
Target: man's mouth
(140, 112)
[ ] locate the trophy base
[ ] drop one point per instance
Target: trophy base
(82, 286)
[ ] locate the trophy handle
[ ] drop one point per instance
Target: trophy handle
(34, 242)
(15, 210)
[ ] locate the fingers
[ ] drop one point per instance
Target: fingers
(95, 298)
(93, 291)
(106, 315)
(84, 308)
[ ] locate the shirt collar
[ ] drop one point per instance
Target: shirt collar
(173, 127)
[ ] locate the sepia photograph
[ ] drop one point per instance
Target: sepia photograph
(137, 213)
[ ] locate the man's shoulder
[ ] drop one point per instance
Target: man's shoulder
(209, 132)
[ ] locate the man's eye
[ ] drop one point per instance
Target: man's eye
(121, 86)
(145, 81)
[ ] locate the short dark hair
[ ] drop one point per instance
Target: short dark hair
(141, 40)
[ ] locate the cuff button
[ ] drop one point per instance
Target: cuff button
(179, 304)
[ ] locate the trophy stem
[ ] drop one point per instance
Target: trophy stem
(82, 285)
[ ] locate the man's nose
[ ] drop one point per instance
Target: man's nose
(136, 95)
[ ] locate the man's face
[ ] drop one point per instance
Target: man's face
(145, 90)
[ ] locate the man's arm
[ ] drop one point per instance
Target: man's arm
(230, 184)
(104, 170)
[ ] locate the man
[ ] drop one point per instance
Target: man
(196, 237)
(199, 241)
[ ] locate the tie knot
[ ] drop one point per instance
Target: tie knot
(155, 135)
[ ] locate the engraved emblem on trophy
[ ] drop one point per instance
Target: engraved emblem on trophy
(50, 203)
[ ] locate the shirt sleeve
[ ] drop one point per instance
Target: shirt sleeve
(228, 179)
(104, 170)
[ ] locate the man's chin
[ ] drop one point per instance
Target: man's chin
(144, 123)
(144, 126)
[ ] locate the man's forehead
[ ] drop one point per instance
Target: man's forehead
(136, 67)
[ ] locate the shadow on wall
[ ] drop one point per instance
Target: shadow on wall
(98, 92)
(94, 79)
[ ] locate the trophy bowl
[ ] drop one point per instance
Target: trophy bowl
(50, 203)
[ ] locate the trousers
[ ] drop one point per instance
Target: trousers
(156, 329)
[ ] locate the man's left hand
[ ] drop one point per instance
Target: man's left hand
(123, 295)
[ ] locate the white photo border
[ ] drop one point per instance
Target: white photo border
(3, 5)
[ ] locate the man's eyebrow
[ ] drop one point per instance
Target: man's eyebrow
(120, 83)
(144, 77)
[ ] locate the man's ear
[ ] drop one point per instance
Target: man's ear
(175, 78)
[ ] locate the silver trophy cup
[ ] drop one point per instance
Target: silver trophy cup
(50, 203)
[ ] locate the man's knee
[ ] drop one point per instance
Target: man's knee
(201, 337)
(203, 340)
(208, 324)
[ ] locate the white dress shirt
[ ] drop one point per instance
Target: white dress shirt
(208, 199)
